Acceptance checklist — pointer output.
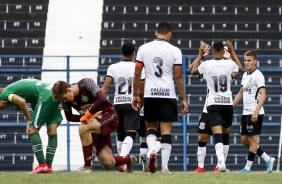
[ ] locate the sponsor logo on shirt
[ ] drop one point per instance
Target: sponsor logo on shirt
(222, 99)
(160, 91)
(123, 99)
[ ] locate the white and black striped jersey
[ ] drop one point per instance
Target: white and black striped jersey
(159, 58)
(122, 74)
(251, 83)
(217, 73)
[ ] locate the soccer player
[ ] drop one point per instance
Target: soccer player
(218, 74)
(121, 74)
(253, 93)
(35, 97)
(162, 63)
(98, 117)
(204, 129)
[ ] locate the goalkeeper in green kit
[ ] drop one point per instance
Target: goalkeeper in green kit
(34, 98)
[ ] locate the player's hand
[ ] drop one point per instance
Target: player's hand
(207, 50)
(184, 106)
(136, 103)
(229, 46)
(85, 118)
(254, 118)
(28, 128)
(60, 106)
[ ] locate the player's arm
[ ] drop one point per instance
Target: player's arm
(141, 93)
(202, 51)
(180, 85)
(69, 114)
(238, 97)
(235, 59)
(106, 85)
(15, 99)
(136, 85)
(262, 92)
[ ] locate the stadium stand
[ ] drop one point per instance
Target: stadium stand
(22, 33)
(247, 25)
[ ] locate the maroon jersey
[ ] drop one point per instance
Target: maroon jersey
(90, 97)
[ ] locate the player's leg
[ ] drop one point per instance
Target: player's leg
(165, 145)
(53, 120)
(105, 156)
(143, 145)
(201, 152)
(51, 146)
(37, 121)
(168, 109)
(131, 125)
(204, 131)
(152, 113)
(270, 161)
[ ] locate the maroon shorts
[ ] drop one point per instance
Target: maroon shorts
(109, 123)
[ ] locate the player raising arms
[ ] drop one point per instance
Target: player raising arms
(218, 74)
(35, 96)
(97, 116)
(162, 63)
(253, 93)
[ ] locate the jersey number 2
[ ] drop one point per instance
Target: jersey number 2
(122, 82)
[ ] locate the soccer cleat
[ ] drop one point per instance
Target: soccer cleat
(121, 168)
(165, 170)
(85, 169)
(216, 169)
(199, 170)
(270, 164)
(48, 170)
(222, 168)
(244, 170)
(130, 166)
(153, 163)
(144, 163)
(39, 169)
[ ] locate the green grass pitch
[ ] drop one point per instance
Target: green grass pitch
(113, 177)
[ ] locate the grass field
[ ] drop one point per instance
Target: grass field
(141, 178)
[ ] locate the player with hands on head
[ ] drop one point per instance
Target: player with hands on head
(218, 73)
(204, 129)
(34, 98)
(98, 117)
(162, 63)
(253, 93)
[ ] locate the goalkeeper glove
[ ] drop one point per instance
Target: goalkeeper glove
(86, 117)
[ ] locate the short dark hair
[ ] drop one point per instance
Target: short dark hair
(218, 46)
(251, 53)
(164, 28)
(127, 49)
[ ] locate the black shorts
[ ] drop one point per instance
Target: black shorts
(160, 109)
(204, 126)
(248, 128)
(128, 118)
(143, 129)
(220, 115)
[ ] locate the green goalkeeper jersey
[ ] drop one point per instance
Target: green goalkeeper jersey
(32, 90)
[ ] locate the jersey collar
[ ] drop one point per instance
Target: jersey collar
(251, 71)
(159, 39)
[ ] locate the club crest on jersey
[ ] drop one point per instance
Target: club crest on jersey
(202, 125)
(84, 98)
